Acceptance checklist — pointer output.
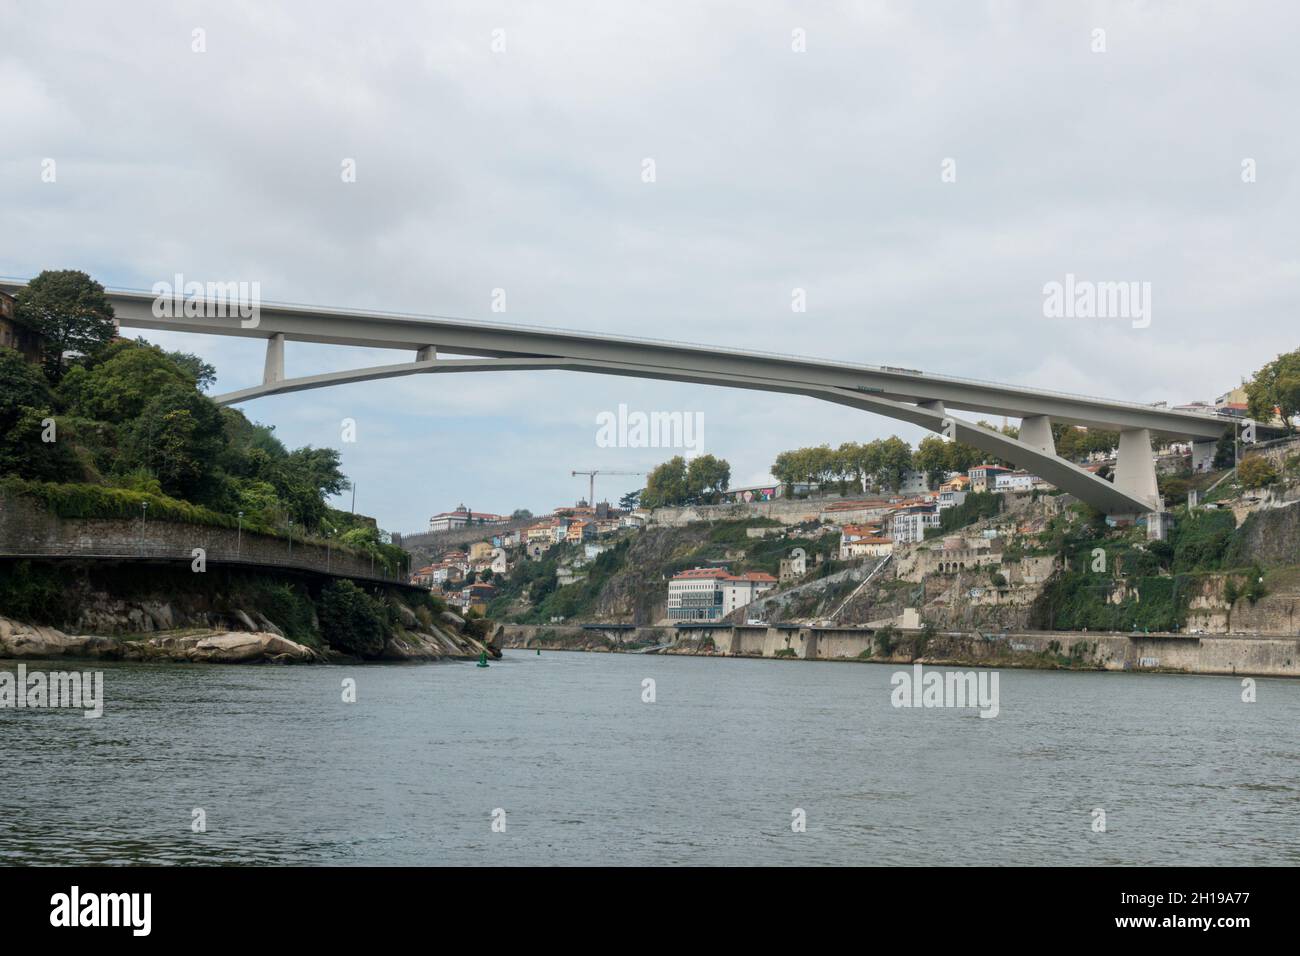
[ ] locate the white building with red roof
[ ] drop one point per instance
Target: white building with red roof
(708, 594)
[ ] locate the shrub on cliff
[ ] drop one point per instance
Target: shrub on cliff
(286, 605)
(1257, 472)
(351, 620)
(32, 593)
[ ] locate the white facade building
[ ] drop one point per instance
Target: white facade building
(741, 589)
(707, 594)
(910, 527)
(951, 498)
(1016, 481)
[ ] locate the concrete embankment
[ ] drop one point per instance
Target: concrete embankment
(1271, 656)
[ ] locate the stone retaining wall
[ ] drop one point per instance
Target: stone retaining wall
(27, 529)
(1204, 654)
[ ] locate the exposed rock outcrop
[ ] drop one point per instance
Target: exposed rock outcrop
(30, 641)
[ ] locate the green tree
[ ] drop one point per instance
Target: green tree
(667, 484)
(126, 377)
(37, 447)
(895, 460)
(318, 469)
(1276, 386)
(707, 476)
(26, 411)
(351, 620)
(1225, 451)
(852, 462)
(178, 437)
(21, 385)
(200, 371)
(932, 457)
(71, 312)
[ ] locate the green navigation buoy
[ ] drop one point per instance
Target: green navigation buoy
(539, 652)
(482, 659)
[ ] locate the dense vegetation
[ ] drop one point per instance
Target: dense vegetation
(105, 425)
(1274, 388)
(977, 506)
(1159, 575)
(351, 620)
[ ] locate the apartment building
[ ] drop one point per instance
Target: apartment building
(985, 477)
(708, 594)
(741, 589)
(1017, 481)
(696, 595)
(910, 523)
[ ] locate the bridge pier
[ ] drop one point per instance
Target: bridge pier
(1135, 469)
(1036, 431)
(1203, 455)
(274, 370)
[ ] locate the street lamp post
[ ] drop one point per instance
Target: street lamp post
(290, 539)
(144, 508)
(239, 537)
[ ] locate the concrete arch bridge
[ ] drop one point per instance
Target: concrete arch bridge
(909, 395)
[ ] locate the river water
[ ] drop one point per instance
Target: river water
(586, 772)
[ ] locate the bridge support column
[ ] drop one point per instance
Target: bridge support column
(936, 406)
(1135, 470)
(1203, 455)
(1036, 430)
(427, 354)
(274, 370)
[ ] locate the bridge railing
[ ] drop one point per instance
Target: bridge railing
(216, 556)
(29, 530)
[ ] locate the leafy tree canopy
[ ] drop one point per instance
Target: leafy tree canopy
(1276, 386)
(71, 312)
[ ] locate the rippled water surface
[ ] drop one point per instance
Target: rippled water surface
(587, 773)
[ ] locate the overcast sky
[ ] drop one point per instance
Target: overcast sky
(522, 169)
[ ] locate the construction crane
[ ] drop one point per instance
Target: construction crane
(591, 494)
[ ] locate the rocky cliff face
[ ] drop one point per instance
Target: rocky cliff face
(128, 615)
(1268, 537)
(637, 592)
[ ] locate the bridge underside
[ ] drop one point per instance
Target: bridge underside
(1132, 493)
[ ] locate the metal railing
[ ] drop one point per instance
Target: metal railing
(216, 556)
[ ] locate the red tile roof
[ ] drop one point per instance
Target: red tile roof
(701, 573)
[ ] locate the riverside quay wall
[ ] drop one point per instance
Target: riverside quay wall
(1263, 656)
(27, 529)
